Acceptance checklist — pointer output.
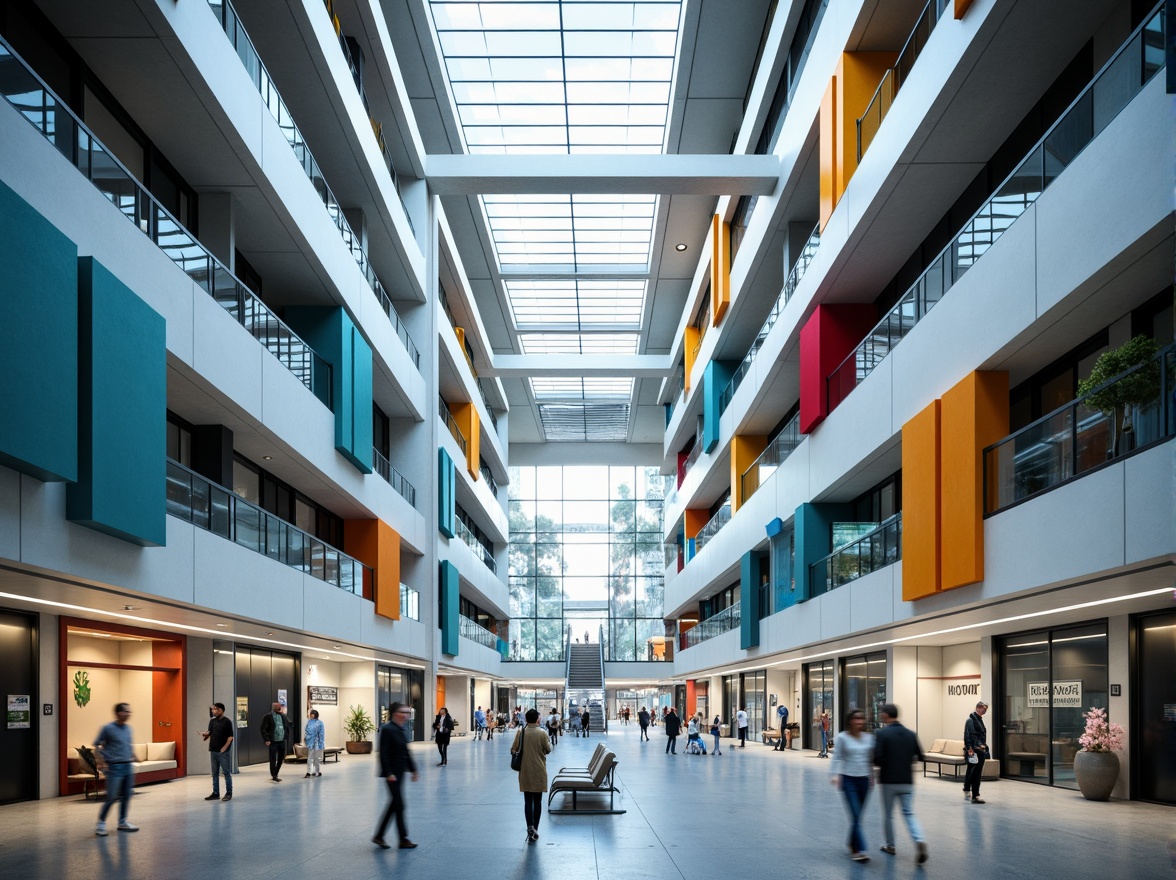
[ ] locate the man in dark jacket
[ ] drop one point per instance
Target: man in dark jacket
(895, 749)
(673, 728)
(975, 743)
(278, 733)
(395, 759)
(643, 720)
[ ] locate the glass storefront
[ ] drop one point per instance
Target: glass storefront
(864, 686)
(1049, 679)
(817, 698)
(755, 686)
(1154, 729)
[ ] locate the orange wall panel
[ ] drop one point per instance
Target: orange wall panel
(470, 425)
(859, 74)
(691, 698)
(377, 545)
(720, 269)
(694, 520)
(745, 449)
(827, 147)
(920, 503)
(689, 342)
(975, 414)
(961, 8)
(440, 693)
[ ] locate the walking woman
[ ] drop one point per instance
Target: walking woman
(853, 773)
(715, 729)
(535, 746)
(442, 730)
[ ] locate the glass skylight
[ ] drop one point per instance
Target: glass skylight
(567, 388)
(576, 304)
(579, 343)
(584, 421)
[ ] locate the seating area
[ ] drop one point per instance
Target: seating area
(299, 756)
(597, 779)
(951, 753)
(154, 762)
(1028, 750)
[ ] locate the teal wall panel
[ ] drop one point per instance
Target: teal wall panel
(334, 336)
(38, 344)
(814, 539)
(122, 411)
(446, 489)
(714, 379)
(450, 603)
(749, 617)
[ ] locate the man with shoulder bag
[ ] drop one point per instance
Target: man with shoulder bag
(976, 750)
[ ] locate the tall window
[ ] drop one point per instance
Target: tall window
(585, 552)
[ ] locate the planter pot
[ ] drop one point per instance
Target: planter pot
(1097, 773)
(365, 748)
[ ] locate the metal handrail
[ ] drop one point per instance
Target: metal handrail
(384, 468)
(447, 417)
(488, 475)
(471, 540)
(884, 546)
(714, 524)
(103, 169)
(475, 632)
(692, 456)
(715, 625)
(773, 456)
(1041, 166)
(264, 83)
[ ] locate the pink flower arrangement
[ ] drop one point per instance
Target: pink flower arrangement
(1101, 736)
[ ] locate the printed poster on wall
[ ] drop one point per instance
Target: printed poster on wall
(242, 712)
(282, 697)
(1066, 695)
(19, 712)
(322, 696)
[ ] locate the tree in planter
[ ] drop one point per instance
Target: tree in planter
(358, 725)
(1118, 398)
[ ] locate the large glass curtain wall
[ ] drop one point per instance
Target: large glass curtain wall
(864, 686)
(1049, 679)
(586, 539)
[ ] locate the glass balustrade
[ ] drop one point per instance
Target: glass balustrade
(871, 552)
(772, 457)
(410, 603)
(486, 401)
(491, 483)
(463, 533)
(447, 417)
(395, 479)
(715, 625)
(205, 504)
(790, 284)
(721, 518)
(1078, 438)
(40, 106)
(475, 632)
(1115, 85)
(235, 31)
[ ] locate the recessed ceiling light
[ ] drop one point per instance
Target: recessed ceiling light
(680, 246)
(267, 458)
(130, 608)
(222, 625)
(269, 633)
(336, 646)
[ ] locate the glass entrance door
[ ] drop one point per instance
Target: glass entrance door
(817, 698)
(1155, 721)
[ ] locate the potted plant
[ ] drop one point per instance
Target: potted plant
(359, 726)
(1096, 766)
(1117, 399)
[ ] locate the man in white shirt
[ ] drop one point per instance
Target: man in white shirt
(741, 722)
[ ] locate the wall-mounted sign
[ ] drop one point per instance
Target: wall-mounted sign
(955, 689)
(1066, 695)
(242, 712)
(20, 715)
(322, 696)
(282, 697)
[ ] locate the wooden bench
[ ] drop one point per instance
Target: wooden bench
(770, 736)
(602, 781)
(300, 753)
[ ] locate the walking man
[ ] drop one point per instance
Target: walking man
(219, 737)
(895, 749)
(643, 720)
(316, 740)
(275, 730)
(741, 721)
(115, 757)
(395, 760)
(479, 723)
(673, 728)
(823, 723)
(975, 746)
(585, 720)
(782, 714)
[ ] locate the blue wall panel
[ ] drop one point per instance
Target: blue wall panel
(38, 344)
(450, 603)
(446, 489)
(814, 540)
(334, 336)
(714, 379)
(749, 583)
(122, 411)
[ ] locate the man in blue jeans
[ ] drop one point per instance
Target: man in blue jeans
(219, 737)
(116, 757)
(896, 748)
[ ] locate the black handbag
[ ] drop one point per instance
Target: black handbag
(516, 758)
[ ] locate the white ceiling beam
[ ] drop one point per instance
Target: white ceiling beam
(450, 175)
(524, 366)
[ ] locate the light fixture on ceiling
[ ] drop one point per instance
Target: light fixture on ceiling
(222, 625)
(130, 608)
(336, 646)
(680, 246)
(267, 458)
(269, 633)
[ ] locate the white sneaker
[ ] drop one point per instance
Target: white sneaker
(127, 826)
(100, 829)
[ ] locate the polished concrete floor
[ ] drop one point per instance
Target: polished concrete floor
(747, 814)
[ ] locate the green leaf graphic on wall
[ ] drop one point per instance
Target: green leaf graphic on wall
(81, 688)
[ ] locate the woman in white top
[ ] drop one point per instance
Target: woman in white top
(853, 773)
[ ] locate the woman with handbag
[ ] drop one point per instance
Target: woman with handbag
(442, 730)
(529, 757)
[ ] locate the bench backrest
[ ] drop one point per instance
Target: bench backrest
(606, 764)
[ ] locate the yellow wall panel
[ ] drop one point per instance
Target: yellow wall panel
(975, 414)
(689, 343)
(920, 503)
(470, 425)
(745, 449)
(859, 74)
(720, 269)
(827, 146)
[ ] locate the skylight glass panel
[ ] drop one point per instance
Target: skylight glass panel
(579, 343)
(567, 388)
(584, 422)
(576, 304)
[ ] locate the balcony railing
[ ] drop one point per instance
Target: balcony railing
(725, 621)
(26, 92)
(491, 483)
(447, 417)
(896, 76)
(384, 468)
(790, 284)
(194, 499)
(467, 537)
(227, 16)
(692, 457)
(721, 518)
(486, 401)
(672, 550)
(475, 632)
(772, 457)
(1119, 81)
(1077, 438)
(410, 603)
(871, 552)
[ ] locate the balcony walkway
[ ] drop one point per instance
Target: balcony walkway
(751, 811)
